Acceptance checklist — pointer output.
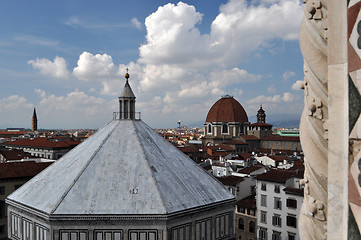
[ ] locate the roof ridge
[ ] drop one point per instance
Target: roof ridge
(150, 167)
(83, 169)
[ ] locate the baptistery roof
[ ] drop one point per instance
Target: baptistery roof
(227, 109)
(125, 168)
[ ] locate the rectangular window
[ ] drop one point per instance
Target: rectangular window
(291, 236)
(27, 230)
(15, 226)
(263, 217)
(250, 212)
(41, 232)
(241, 210)
(291, 203)
(2, 209)
(276, 235)
(203, 229)
(264, 200)
(262, 234)
(277, 203)
(263, 187)
(181, 232)
(277, 221)
(222, 226)
(291, 221)
(142, 235)
(277, 189)
(2, 190)
(106, 234)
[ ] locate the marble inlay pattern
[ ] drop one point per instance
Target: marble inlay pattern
(354, 71)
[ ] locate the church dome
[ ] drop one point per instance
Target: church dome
(227, 109)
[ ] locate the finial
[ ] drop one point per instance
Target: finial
(261, 106)
(127, 74)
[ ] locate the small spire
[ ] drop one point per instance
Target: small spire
(34, 121)
(127, 74)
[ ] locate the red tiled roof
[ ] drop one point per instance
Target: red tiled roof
(227, 109)
(236, 142)
(278, 158)
(12, 133)
(230, 180)
(21, 169)
(281, 138)
(249, 137)
(15, 154)
(250, 169)
(278, 176)
(43, 142)
(296, 191)
(248, 202)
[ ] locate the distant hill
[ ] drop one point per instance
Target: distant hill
(287, 123)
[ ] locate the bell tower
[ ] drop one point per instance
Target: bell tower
(34, 122)
(261, 115)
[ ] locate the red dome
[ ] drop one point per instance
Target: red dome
(227, 109)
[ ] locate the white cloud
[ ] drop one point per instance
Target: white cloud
(187, 70)
(74, 109)
(14, 103)
(95, 67)
(57, 68)
(287, 75)
(136, 23)
(40, 92)
(15, 111)
(271, 89)
(94, 24)
(297, 85)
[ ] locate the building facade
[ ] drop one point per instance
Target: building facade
(279, 200)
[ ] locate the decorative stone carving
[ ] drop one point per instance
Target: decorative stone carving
(313, 42)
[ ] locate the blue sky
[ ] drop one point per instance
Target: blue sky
(68, 59)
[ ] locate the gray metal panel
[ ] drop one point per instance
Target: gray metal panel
(46, 190)
(125, 168)
(117, 181)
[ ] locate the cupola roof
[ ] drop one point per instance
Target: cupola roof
(227, 109)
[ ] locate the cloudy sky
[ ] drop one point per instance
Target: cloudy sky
(68, 59)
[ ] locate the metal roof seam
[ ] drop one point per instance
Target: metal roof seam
(150, 167)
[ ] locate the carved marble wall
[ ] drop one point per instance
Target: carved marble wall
(331, 121)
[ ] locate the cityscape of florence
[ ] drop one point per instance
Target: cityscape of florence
(198, 120)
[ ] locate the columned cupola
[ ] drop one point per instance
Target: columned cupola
(127, 101)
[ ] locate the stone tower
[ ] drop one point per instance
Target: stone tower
(261, 115)
(34, 122)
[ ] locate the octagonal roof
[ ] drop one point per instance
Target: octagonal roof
(125, 168)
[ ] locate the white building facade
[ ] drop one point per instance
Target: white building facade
(279, 199)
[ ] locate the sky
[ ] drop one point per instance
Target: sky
(68, 59)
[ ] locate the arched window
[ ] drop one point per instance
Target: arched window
(224, 128)
(241, 224)
(251, 227)
(209, 128)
